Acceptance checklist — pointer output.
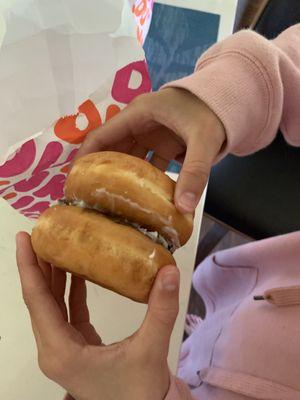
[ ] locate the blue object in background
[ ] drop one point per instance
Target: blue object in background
(176, 39)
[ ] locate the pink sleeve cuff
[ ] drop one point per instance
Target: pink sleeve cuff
(236, 79)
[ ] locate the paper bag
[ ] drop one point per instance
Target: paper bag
(66, 67)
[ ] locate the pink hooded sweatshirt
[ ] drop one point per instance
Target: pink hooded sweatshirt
(246, 349)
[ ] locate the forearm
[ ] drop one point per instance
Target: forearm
(252, 85)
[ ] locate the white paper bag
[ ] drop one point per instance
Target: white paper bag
(66, 66)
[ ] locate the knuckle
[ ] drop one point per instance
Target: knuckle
(140, 99)
(145, 102)
(166, 316)
(89, 137)
(92, 138)
(197, 169)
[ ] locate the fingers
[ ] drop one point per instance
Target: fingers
(193, 176)
(47, 271)
(123, 146)
(79, 312)
(58, 287)
(45, 314)
(153, 121)
(116, 130)
(162, 141)
(138, 119)
(162, 310)
(139, 151)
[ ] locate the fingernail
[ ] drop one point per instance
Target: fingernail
(188, 201)
(170, 281)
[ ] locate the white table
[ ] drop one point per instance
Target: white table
(114, 316)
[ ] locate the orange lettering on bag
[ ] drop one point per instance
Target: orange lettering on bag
(67, 130)
(141, 8)
(111, 111)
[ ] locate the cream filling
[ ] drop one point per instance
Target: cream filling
(152, 255)
(169, 230)
(153, 235)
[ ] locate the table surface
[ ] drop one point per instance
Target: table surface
(114, 316)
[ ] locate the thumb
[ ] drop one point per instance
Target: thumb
(193, 176)
(162, 310)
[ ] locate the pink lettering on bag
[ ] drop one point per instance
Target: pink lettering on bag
(23, 202)
(21, 161)
(68, 159)
(121, 91)
(50, 155)
(36, 209)
(28, 184)
(54, 188)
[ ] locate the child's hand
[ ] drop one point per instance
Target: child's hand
(176, 125)
(70, 351)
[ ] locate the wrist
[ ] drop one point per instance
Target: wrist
(198, 117)
(214, 132)
(205, 122)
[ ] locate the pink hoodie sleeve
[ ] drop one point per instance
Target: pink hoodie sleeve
(253, 85)
(178, 390)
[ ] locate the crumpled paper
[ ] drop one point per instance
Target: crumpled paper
(72, 62)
